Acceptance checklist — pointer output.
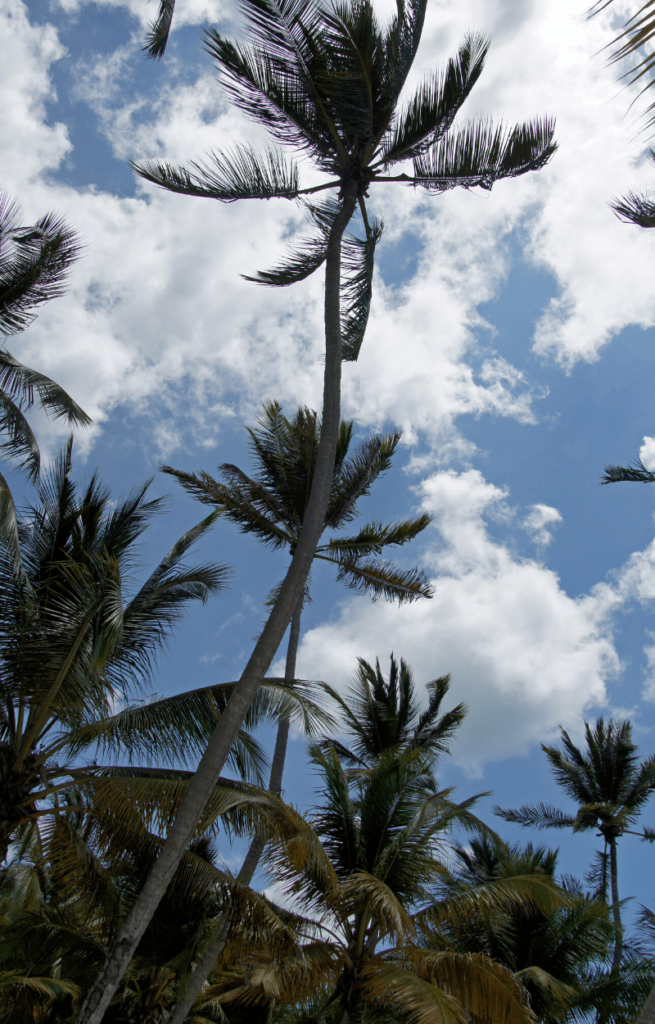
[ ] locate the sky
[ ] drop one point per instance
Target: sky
(511, 339)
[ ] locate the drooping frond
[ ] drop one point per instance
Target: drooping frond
(159, 31)
(241, 173)
(638, 31)
(357, 260)
(378, 578)
(479, 155)
(20, 383)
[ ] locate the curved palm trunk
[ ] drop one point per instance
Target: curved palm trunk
(203, 968)
(647, 1015)
(212, 761)
(616, 906)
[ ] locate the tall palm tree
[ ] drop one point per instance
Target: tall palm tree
(562, 958)
(610, 787)
(325, 79)
(34, 265)
(272, 504)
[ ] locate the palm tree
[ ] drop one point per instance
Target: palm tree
(610, 787)
(326, 79)
(34, 265)
(562, 958)
(272, 505)
(638, 30)
(363, 871)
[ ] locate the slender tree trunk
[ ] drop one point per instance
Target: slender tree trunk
(227, 729)
(616, 906)
(253, 856)
(203, 968)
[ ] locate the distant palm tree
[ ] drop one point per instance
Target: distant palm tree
(34, 265)
(326, 79)
(610, 787)
(561, 958)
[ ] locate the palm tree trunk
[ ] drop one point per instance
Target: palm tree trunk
(647, 1015)
(203, 968)
(253, 856)
(616, 906)
(227, 729)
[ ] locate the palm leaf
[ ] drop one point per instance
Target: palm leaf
(378, 578)
(431, 111)
(34, 264)
(358, 257)
(479, 154)
(9, 525)
(242, 173)
(635, 209)
(537, 816)
(159, 31)
(20, 382)
(636, 473)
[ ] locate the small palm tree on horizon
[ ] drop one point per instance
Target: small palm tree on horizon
(610, 787)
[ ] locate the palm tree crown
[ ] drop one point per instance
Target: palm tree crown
(272, 503)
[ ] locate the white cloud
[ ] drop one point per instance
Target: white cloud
(523, 654)
(647, 453)
(538, 521)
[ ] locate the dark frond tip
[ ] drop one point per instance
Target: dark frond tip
(635, 209)
(157, 37)
(242, 173)
(636, 473)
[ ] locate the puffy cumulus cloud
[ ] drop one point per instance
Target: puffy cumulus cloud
(524, 655)
(538, 523)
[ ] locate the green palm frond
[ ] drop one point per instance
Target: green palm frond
(358, 257)
(636, 473)
(378, 578)
(480, 154)
(20, 383)
(638, 31)
(300, 262)
(375, 536)
(242, 173)
(411, 996)
(537, 816)
(20, 443)
(9, 525)
(433, 108)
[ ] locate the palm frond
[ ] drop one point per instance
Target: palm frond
(479, 155)
(431, 111)
(638, 30)
(635, 208)
(9, 525)
(242, 173)
(358, 257)
(20, 382)
(159, 31)
(636, 473)
(21, 443)
(378, 578)
(537, 816)
(34, 263)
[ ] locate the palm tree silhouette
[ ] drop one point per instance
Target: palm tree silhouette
(325, 79)
(610, 787)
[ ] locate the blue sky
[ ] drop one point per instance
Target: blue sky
(511, 339)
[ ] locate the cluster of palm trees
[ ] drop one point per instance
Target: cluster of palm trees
(116, 812)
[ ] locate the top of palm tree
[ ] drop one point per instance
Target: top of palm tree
(381, 714)
(325, 78)
(272, 503)
(606, 781)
